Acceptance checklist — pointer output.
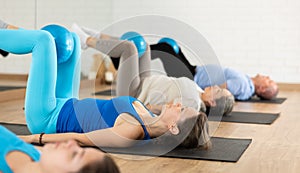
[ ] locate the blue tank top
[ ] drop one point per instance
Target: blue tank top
(87, 115)
(10, 142)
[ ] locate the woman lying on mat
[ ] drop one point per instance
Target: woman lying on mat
(51, 104)
(134, 73)
(18, 156)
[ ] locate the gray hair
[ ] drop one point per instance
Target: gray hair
(270, 93)
(228, 105)
(224, 105)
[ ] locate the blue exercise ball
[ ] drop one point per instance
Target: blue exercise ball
(138, 41)
(63, 40)
(171, 42)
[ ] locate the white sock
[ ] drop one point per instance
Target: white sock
(91, 32)
(82, 35)
(107, 61)
(109, 77)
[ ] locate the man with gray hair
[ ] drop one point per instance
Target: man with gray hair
(242, 86)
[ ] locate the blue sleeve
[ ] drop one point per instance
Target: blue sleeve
(239, 90)
(10, 142)
(209, 75)
(239, 84)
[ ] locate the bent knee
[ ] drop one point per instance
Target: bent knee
(129, 47)
(45, 37)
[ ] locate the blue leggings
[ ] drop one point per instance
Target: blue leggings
(49, 84)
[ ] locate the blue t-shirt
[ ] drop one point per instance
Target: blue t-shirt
(87, 115)
(10, 142)
(240, 85)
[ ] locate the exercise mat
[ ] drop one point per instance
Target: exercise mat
(106, 93)
(19, 129)
(4, 88)
(251, 117)
(223, 149)
(277, 100)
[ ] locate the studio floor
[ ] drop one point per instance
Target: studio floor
(274, 148)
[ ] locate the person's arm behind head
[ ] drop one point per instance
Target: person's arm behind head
(121, 135)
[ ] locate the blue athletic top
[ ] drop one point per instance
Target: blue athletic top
(87, 115)
(240, 85)
(10, 142)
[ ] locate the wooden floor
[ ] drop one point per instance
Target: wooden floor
(274, 149)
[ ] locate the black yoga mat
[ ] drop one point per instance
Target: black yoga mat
(223, 149)
(4, 88)
(277, 100)
(106, 93)
(19, 129)
(251, 117)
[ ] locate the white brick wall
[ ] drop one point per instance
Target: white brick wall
(251, 35)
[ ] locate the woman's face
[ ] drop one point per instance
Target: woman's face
(67, 156)
(212, 93)
(173, 113)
